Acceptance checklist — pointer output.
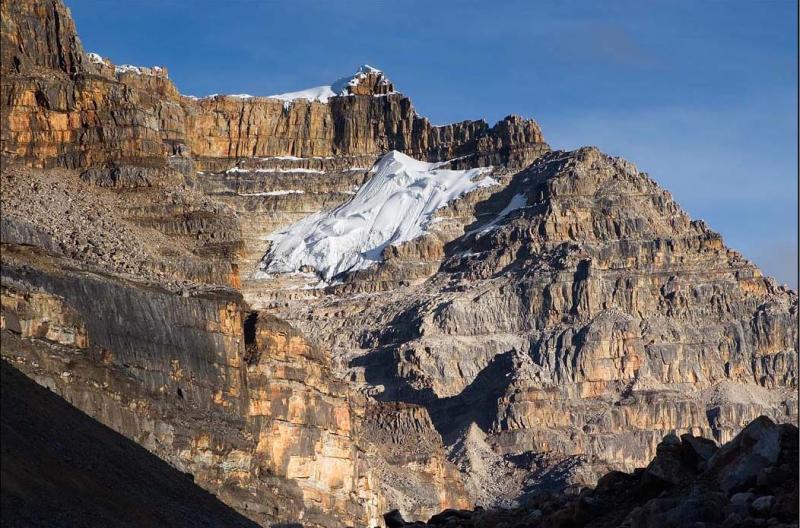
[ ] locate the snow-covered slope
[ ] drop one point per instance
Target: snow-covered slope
(317, 93)
(396, 205)
(323, 93)
(320, 94)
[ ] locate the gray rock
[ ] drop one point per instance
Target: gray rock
(743, 498)
(763, 505)
(670, 465)
(737, 465)
(702, 447)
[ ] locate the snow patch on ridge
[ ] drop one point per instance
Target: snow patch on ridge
(518, 201)
(396, 205)
(126, 68)
(322, 94)
(342, 86)
(95, 58)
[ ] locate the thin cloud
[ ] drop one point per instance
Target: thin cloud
(609, 43)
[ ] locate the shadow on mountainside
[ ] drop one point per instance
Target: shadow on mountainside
(749, 482)
(451, 415)
(491, 212)
(62, 468)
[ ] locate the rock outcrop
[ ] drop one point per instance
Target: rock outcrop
(61, 468)
(240, 400)
(224, 127)
(585, 324)
(750, 481)
(62, 108)
(543, 329)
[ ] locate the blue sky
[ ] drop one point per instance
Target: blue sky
(701, 94)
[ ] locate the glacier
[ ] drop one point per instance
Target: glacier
(395, 205)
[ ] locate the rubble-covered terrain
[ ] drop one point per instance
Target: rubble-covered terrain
(748, 482)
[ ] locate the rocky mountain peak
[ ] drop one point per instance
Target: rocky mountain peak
(366, 81)
(40, 38)
(495, 318)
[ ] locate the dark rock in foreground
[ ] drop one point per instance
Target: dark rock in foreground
(750, 481)
(62, 468)
(544, 330)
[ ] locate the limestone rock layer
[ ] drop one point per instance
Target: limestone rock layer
(61, 109)
(543, 330)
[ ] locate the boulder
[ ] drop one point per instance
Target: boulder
(394, 519)
(763, 505)
(736, 465)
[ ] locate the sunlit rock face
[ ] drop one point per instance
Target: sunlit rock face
(540, 318)
(580, 318)
(241, 400)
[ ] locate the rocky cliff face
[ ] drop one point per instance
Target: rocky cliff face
(583, 325)
(64, 108)
(360, 125)
(239, 399)
(51, 455)
(543, 328)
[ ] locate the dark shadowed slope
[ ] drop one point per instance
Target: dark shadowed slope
(61, 468)
(749, 482)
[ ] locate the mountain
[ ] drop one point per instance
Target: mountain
(323, 307)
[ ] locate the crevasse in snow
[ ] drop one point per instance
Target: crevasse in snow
(396, 205)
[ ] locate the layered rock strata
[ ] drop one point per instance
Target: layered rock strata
(584, 325)
(238, 399)
(538, 333)
(62, 468)
(62, 109)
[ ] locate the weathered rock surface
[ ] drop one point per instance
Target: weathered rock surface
(62, 109)
(229, 127)
(543, 331)
(61, 468)
(166, 233)
(583, 326)
(239, 400)
(682, 486)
